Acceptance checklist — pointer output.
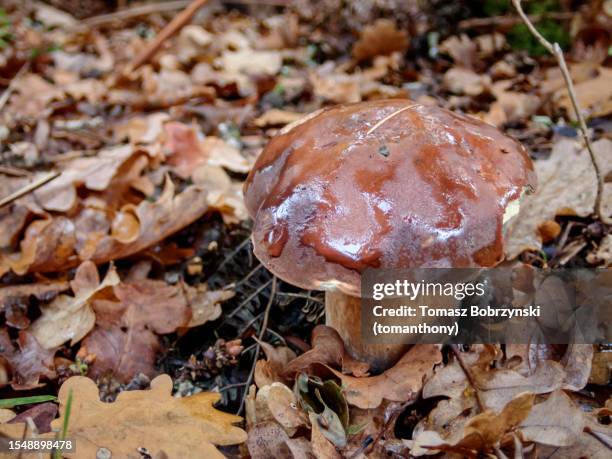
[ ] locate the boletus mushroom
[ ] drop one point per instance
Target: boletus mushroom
(383, 184)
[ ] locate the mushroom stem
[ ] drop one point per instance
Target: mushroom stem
(343, 313)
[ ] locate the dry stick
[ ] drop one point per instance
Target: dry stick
(602, 438)
(153, 8)
(14, 171)
(468, 375)
(28, 188)
(369, 446)
(262, 333)
(557, 52)
(168, 31)
(136, 12)
(507, 21)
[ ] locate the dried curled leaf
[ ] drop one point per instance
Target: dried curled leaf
(480, 434)
(378, 39)
(71, 317)
(401, 383)
(327, 349)
(28, 362)
(95, 173)
(51, 244)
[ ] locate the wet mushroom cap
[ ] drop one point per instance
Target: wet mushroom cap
(384, 184)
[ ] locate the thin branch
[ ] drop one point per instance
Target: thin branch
(509, 21)
(262, 333)
(14, 171)
(557, 52)
(468, 375)
(161, 7)
(136, 12)
(602, 438)
(168, 31)
(28, 188)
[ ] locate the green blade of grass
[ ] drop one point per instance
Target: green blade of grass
(62, 436)
(11, 402)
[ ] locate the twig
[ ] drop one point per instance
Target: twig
(602, 438)
(136, 12)
(557, 52)
(153, 8)
(369, 446)
(232, 386)
(168, 31)
(9, 90)
(28, 188)
(262, 332)
(14, 171)
(468, 375)
(508, 21)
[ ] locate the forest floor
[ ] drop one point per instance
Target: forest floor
(131, 255)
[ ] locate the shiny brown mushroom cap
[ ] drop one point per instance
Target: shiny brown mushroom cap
(384, 184)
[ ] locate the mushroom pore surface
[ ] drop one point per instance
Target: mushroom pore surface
(384, 184)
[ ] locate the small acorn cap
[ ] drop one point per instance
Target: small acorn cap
(383, 184)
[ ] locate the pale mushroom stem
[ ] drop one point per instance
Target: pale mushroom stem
(343, 313)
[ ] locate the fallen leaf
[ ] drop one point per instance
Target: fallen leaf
(380, 38)
(161, 419)
(71, 317)
(41, 414)
(52, 17)
(183, 146)
(321, 446)
(480, 434)
(566, 164)
(557, 421)
(49, 245)
(464, 81)
(510, 105)
(94, 173)
(462, 49)
(221, 153)
(278, 403)
(401, 383)
(251, 62)
(277, 117)
(268, 439)
(594, 96)
(603, 254)
(327, 349)
(43, 290)
(601, 369)
(29, 362)
(331, 84)
(271, 370)
(125, 342)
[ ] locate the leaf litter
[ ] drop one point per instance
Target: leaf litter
(135, 261)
